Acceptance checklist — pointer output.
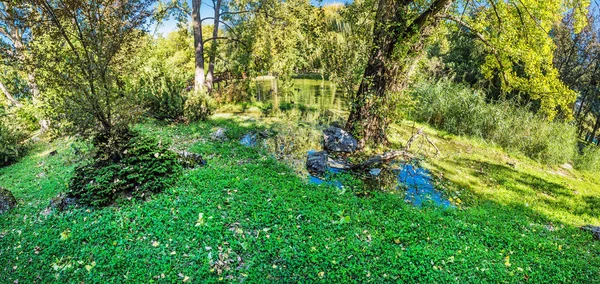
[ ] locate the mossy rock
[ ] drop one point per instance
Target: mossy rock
(7, 200)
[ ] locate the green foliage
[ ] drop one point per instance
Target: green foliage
(11, 139)
(515, 36)
(164, 67)
(145, 166)
(83, 53)
(199, 106)
(266, 109)
(463, 111)
(164, 97)
(589, 160)
(248, 205)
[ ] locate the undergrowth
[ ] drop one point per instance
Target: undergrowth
(463, 111)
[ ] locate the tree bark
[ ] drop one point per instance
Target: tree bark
(213, 47)
(10, 98)
(199, 46)
(368, 119)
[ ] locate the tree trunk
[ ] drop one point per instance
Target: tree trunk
(199, 46)
(368, 119)
(213, 47)
(10, 98)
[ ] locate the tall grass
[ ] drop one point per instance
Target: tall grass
(463, 111)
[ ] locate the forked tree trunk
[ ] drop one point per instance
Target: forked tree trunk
(368, 119)
(213, 47)
(198, 47)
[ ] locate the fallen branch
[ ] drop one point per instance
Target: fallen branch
(383, 158)
(415, 136)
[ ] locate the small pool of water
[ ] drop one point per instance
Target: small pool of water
(418, 182)
(420, 189)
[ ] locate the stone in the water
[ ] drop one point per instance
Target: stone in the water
(420, 187)
(375, 171)
(338, 140)
(593, 229)
(190, 160)
(316, 162)
(61, 202)
(219, 134)
(248, 140)
(7, 200)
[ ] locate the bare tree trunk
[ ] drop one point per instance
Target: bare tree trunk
(10, 98)
(199, 46)
(33, 87)
(213, 47)
(368, 119)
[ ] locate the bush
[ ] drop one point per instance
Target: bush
(589, 160)
(463, 111)
(199, 106)
(11, 137)
(145, 166)
(164, 97)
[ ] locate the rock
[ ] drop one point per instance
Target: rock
(316, 162)
(248, 140)
(219, 134)
(190, 160)
(338, 140)
(338, 164)
(375, 171)
(593, 229)
(61, 202)
(7, 200)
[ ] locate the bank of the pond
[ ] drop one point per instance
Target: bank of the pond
(247, 216)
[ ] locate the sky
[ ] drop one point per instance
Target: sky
(171, 24)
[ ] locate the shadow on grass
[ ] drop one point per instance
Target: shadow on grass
(508, 185)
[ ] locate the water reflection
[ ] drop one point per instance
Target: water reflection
(312, 94)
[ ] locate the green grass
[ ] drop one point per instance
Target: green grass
(247, 216)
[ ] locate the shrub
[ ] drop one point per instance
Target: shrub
(145, 166)
(463, 111)
(199, 106)
(266, 109)
(11, 137)
(589, 160)
(164, 97)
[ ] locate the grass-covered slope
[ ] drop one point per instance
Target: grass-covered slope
(248, 217)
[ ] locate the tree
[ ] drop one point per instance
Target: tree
(398, 35)
(577, 58)
(83, 47)
(515, 35)
(15, 36)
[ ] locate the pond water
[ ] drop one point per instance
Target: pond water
(420, 189)
(314, 94)
(322, 96)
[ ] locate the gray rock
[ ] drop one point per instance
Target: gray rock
(593, 229)
(61, 202)
(219, 134)
(7, 200)
(338, 164)
(190, 160)
(338, 140)
(375, 171)
(316, 162)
